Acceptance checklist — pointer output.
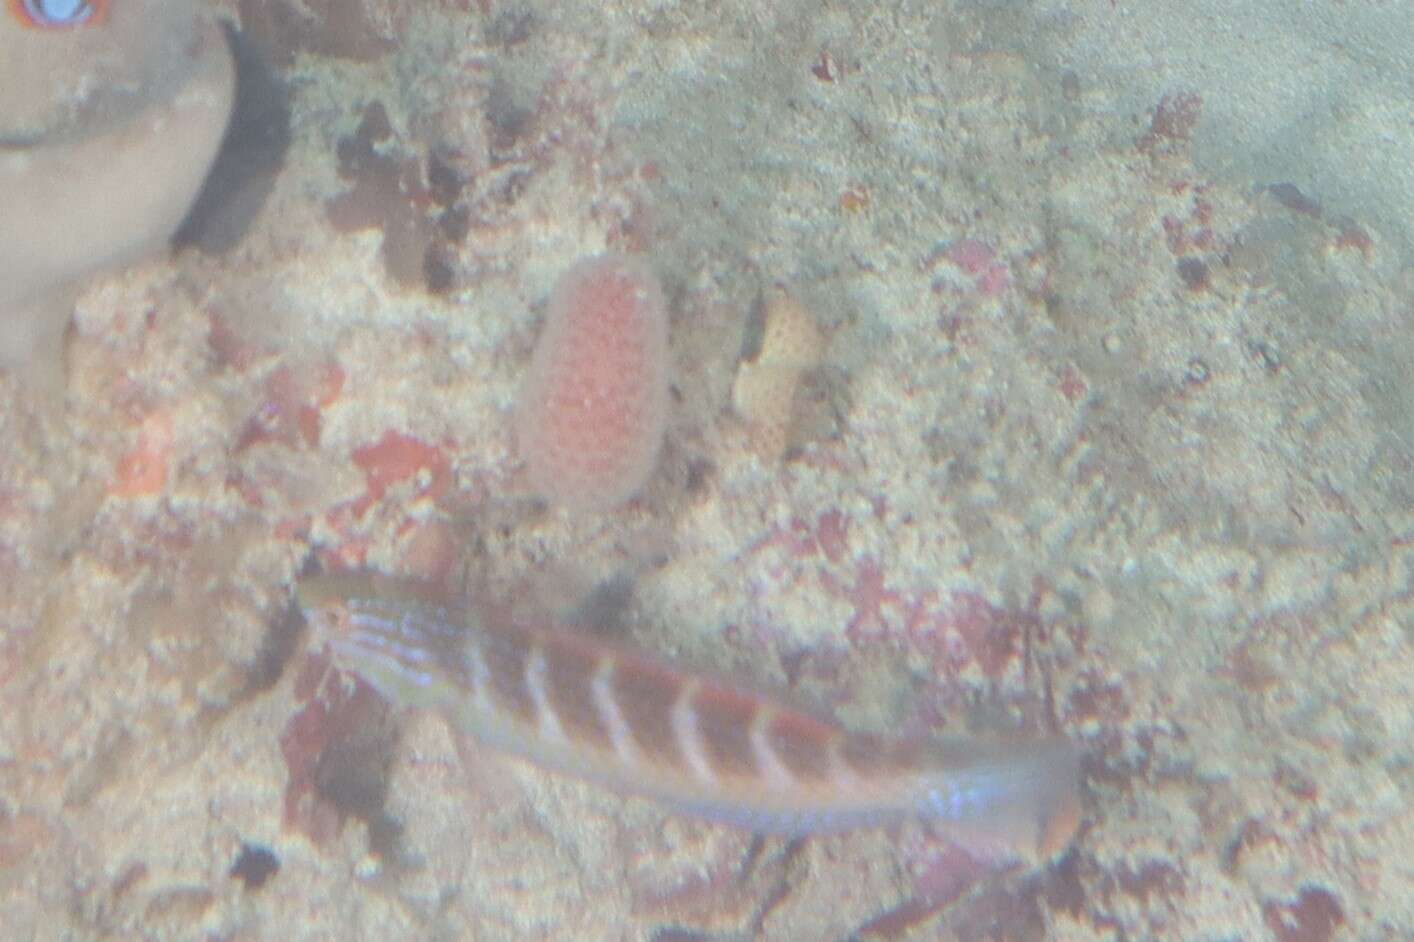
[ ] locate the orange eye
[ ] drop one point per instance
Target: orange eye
(58, 14)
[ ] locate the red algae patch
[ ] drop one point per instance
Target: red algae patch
(595, 402)
(395, 458)
(142, 471)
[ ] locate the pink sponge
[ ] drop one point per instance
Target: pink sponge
(595, 402)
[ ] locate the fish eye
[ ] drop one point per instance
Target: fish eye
(57, 14)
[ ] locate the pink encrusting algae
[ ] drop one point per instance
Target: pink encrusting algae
(702, 746)
(595, 401)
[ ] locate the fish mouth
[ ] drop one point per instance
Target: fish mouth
(133, 72)
(95, 116)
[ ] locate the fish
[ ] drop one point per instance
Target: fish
(577, 704)
(58, 14)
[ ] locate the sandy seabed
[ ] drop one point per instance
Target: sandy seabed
(1112, 438)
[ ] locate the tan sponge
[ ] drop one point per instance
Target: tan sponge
(765, 389)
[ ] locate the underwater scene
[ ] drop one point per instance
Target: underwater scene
(706, 470)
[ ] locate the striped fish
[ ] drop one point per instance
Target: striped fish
(572, 703)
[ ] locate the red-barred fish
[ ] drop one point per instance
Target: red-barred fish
(702, 746)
